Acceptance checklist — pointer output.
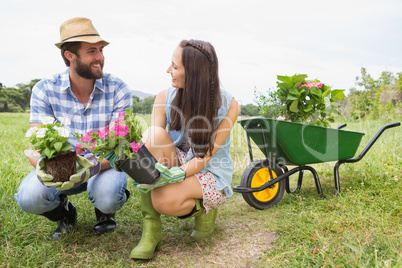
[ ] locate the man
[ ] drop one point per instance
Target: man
(90, 100)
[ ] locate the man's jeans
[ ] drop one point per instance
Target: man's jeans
(106, 192)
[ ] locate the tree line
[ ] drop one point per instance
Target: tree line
(17, 99)
(375, 97)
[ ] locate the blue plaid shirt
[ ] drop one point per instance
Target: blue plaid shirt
(53, 97)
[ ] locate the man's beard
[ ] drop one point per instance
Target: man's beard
(85, 70)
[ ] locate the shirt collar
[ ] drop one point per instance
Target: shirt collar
(65, 81)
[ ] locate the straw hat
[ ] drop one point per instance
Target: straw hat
(79, 30)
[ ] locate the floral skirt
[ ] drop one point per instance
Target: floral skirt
(211, 197)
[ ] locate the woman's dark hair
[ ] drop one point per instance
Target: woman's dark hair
(73, 47)
(199, 101)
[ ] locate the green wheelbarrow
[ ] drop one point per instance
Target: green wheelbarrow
(284, 143)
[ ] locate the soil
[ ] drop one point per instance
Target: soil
(61, 167)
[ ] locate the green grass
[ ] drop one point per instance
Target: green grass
(359, 228)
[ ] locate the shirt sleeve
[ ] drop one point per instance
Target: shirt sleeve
(123, 99)
(39, 104)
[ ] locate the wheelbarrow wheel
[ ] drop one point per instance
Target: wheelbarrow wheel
(256, 174)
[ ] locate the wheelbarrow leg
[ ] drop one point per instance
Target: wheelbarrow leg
(300, 179)
(299, 183)
(336, 177)
(317, 181)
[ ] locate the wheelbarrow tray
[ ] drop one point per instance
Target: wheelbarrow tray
(300, 144)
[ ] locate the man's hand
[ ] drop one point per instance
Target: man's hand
(87, 166)
(112, 158)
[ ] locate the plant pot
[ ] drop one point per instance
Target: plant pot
(141, 169)
(62, 166)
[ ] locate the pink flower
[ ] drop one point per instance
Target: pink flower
(121, 116)
(92, 146)
(311, 84)
(135, 146)
(120, 130)
(103, 133)
(280, 118)
(78, 148)
(87, 136)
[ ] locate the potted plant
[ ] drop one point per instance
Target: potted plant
(56, 154)
(119, 143)
(305, 101)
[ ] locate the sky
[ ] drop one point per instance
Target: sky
(255, 40)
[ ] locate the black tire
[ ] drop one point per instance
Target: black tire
(257, 174)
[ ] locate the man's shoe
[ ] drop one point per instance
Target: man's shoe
(65, 214)
(106, 222)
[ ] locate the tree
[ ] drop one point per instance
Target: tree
(136, 104)
(147, 105)
(377, 97)
(9, 97)
(144, 106)
(19, 96)
(26, 92)
(249, 109)
(399, 82)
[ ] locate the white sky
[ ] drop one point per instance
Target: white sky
(255, 40)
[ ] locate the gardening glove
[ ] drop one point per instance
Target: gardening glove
(173, 175)
(112, 158)
(87, 166)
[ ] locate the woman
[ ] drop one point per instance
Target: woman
(199, 117)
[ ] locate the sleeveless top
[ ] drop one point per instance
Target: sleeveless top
(221, 164)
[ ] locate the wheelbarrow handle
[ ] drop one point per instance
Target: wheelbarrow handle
(371, 143)
(365, 150)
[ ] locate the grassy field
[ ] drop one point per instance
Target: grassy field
(359, 228)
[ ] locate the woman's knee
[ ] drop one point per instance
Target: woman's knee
(164, 204)
(155, 136)
(160, 145)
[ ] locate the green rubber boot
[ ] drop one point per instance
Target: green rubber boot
(151, 231)
(204, 225)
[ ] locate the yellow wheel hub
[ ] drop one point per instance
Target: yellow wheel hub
(261, 177)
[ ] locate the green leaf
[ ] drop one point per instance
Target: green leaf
(284, 86)
(285, 79)
(308, 108)
(298, 78)
(326, 92)
(294, 106)
(316, 91)
(337, 94)
(66, 147)
(292, 97)
(298, 84)
(47, 152)
(58, 146)
(293, 91)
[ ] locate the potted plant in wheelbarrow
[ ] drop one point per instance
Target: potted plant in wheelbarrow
(58, 165)
(303, 101)
(119, 143)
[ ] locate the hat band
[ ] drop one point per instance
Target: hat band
(79, 36)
